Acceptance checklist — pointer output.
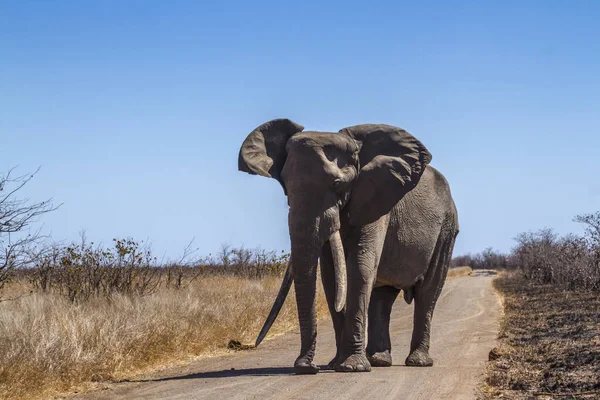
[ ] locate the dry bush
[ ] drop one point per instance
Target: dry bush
(248, 263)
(82, 271)
(570, 261)
(49, 344)
(18, 245)
(487, 259)
(543, 256)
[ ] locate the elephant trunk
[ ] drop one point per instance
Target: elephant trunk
(339, 263)
(305, 254)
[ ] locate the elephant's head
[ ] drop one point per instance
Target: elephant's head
(361, 172)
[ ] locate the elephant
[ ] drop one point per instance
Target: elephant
(368, 209)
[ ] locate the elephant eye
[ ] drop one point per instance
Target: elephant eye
(341, 185)
(331, 156)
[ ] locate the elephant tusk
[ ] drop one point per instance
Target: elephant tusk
(286, 284)
(339, 263)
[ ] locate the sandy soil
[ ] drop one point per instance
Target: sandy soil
(465, 328)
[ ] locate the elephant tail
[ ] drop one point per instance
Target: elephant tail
(286, 284)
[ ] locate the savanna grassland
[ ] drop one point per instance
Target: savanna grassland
(88, 314)
(49, 345)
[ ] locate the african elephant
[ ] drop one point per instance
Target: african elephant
(380, 219)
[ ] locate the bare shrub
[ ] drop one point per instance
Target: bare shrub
(42, 276)
(545, 257)
(81, 271)
(571, 261)
(592, 223)
(176, 274)
(18, 248)
(247, 263)
(487, 259)
(536, 254)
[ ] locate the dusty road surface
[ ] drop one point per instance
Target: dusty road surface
(465, 327)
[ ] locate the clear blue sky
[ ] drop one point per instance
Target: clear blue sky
(135, 110)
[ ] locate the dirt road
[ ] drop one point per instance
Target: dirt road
(465, 327)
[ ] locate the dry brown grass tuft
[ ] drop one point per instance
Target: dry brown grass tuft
(549, 343)
(49, 345)
(458, 272)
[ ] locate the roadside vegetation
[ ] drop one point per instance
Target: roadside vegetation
(457, 272)
(487, 259)
(549, 344)
(86, 314)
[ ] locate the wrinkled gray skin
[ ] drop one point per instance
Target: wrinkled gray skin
(396, 218)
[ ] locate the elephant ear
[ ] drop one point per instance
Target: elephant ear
(392, 163)
(263, 152)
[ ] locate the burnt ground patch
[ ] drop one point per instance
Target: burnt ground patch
(549, 343)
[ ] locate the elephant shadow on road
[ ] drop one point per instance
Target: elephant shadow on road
(232, 373)
(226, 373)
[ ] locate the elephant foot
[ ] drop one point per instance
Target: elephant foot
(381, 359)
(419, 358)
(354, 363)
(304, 367)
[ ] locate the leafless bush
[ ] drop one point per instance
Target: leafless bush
(571, 261)
(42, 276)
(247, 263)
(592, 226)
(81, 271)
(545, 257)
(181, 272)
(487, 259)
(536, 254)
(18, 248)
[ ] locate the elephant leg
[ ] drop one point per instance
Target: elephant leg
(419, 345)
(328, 279)
(362, 269)
(379, 347)
(427, 293)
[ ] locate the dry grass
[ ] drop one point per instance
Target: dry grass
(549, 343)
(49, 345)
(458, 272)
